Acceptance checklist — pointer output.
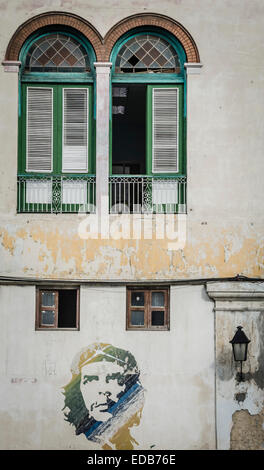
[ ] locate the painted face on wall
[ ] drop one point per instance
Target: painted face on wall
(101, 386)
(104, 398)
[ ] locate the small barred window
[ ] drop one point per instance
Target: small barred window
(147, 53)
(57, 53)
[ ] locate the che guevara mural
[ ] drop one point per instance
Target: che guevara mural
(104, 399)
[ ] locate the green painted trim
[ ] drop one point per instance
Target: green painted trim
(147, 78)
(23, 207)
(57, 130)
(159, 176)
(58, 117)
(182, 131)
(110, 131)
(21, 132)
(56, 77)
(65, 175)
(91, 133)
(155, 80)
(181, 168)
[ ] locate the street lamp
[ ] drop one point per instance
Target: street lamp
(240, 347)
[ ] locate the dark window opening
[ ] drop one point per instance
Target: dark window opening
(133, 60)
(57, 309)
(67, 308)
(129, 130)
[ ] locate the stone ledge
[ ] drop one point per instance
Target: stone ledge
(11, 65)
(234, 295)
(193, 67)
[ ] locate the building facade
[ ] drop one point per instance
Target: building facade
(131, 224)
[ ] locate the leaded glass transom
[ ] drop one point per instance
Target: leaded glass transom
(57, 53)
(147, 53)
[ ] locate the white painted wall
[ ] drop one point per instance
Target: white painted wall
(177, 369)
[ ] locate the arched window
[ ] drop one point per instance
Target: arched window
(148, 122)
(56, 151)
(57, 53)
(147, 53)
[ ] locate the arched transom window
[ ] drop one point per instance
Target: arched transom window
(57, 53)
(147, 53)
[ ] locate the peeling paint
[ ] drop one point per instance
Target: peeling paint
(8, 242)
(247, 431)
(58, 251)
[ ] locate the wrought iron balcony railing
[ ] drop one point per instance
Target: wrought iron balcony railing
(77, 193)
(56, 194)
(147, 194)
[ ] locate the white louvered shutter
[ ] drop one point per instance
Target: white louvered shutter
(165, 130)
(75, 130)
(39, 129)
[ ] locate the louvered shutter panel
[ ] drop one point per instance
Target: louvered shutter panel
(39, 129)
(165, 130)
(75, 130)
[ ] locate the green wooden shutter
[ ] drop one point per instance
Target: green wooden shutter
(39, 129)
(75, 129)
(164, 127)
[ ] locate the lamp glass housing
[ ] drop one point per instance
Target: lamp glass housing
(240, 351)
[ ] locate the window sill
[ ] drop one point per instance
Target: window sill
(56, 329)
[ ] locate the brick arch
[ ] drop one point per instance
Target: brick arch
(152, 19)
(53, 19)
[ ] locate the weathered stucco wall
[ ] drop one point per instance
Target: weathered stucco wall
(51, 247)
(222, 236)
(239, 404)
(34, 371)
(224, 231)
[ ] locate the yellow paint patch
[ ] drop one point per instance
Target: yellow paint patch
(123, 440)
(21, 233)
(8, 241)
(59, 251)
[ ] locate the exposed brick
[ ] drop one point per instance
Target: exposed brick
(102, 47)
(46, 19)
(155, 20)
